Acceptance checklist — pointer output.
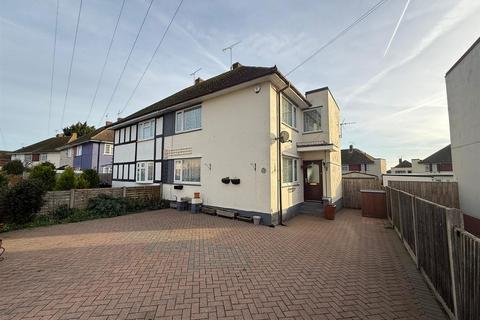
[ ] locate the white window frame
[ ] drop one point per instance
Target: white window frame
(43, 157)
(310, 110)
(28, 157)
(179, 126)
(293, 111)
(69, 152)
(345, 168)
(147, 167)
(141, 125)
(107, 169)
(79, 150)
(108, 149)
(180, 178)
(294, 171)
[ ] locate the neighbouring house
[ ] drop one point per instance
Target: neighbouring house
(246, 140)
(436, 167)
(439, 162)
(357, 163)
(43, 151)
(403, 167)
(91, 151)
(4, 158)
(463, 95)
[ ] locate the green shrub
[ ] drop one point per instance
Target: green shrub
(62, 212)
(45, 173)
(81, 183)
(14, 167)
(20, 202)
(66, 180)
(77, 215)
(106, 206)
(3, 181)
(92, 178)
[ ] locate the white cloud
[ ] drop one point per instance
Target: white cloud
(460, 12)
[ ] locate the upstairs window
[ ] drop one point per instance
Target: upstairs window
(28, 157)
(79, 151)
(146, 130)
(355, 167)
(108, 149)
(188, 120)
(69, 152)
(187, 171)
(43, 157)
(312, 120)
(289, 113)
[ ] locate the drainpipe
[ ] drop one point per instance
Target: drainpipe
(279, 156)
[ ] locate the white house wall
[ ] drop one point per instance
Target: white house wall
(125, 153)
(232, 141)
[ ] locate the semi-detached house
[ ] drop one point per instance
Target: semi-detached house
(229, 127)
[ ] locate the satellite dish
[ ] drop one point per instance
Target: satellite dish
(284, 137)
(257, 89)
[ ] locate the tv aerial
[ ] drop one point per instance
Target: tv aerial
(230, 48)
(344, 123)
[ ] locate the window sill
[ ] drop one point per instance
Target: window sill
(290, 184)
(310, 132)
(140, 140)
(144, 182)
(187, 131)
(289, 126)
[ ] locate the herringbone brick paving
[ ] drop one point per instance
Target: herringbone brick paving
(174, 265)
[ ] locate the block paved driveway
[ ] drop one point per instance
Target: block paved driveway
(176, 265)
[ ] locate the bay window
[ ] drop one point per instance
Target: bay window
(188, 119)
(146, 129)
(312, 120)
(144, 172)
(187, 171)
(289, 113)
(290, 170)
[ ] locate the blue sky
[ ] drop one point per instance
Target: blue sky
(397, 101)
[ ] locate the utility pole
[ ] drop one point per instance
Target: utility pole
(230, 48)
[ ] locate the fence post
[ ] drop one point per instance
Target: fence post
(414, 217)
(454, 218)
(124, 191)
(400, 215)
(391, 207)
(72, 198)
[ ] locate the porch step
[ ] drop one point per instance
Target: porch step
(311, 207)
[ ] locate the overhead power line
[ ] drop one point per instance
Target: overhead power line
(71, 64)
(105, 62)
(53, 69)
(126, 62)
(152, 57)
(340, 34)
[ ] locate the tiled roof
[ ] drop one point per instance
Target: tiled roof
(225, 80)
(356, 156)
(404, 164)
(48, 145)
(101, 134)
(441, 156)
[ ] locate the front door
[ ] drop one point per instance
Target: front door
(313, 184)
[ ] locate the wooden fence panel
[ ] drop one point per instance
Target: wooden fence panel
(466, 263)
(443, 193)
(352, 198)
(432, 249)
(78, 198)
(395, 209)
(53, 200)
(407, 211)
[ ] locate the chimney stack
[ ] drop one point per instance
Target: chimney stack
(351, 148)
(73, 137)
(236, 65)
(119, 119)
(400, 161)
(198, 80)
(108, 123)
